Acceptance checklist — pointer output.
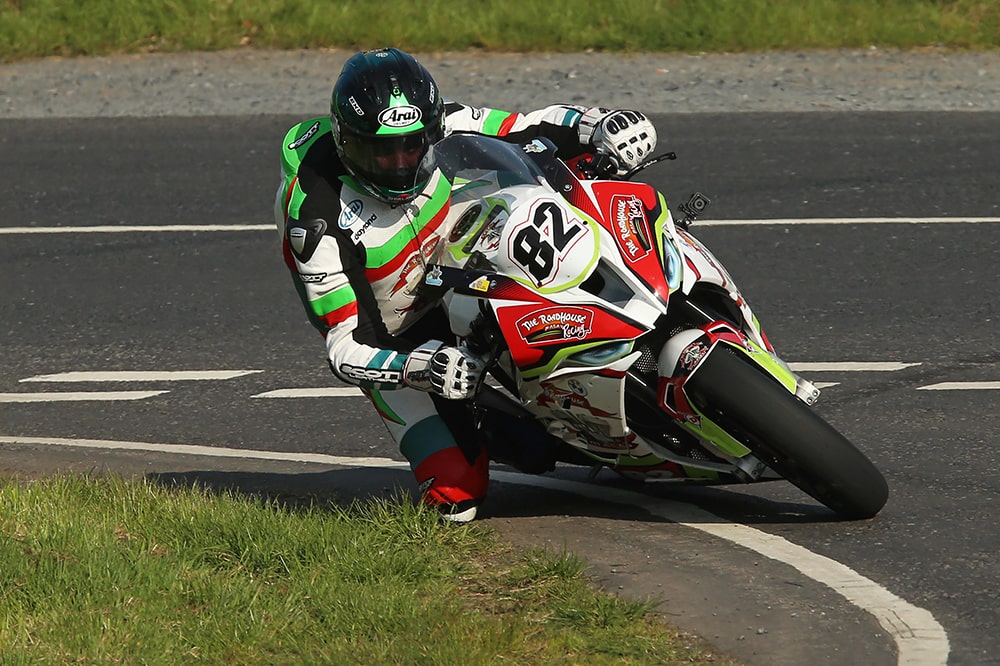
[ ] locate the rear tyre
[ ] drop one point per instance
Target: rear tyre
(787, 434)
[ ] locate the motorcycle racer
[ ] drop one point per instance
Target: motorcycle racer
(358, 225)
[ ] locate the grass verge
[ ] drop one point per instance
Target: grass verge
(30, 28)
(107, 570)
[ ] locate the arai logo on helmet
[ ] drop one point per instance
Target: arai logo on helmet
(400, 116)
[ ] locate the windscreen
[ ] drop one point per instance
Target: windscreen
(465, 157)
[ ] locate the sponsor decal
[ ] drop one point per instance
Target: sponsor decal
(400, 116)
(371, 374)
(614, 443)
(629, 221)
(415, 262)
(310, 133)
(554, 396)
(312, 277)
(594, 433)
(556, 324)
(490, 239)
(464, 223)
(356, 236)
(487, 238)
(419, 376)
(535, 146)
(692, 355)
(481, 283)
(354, 105)
(350, 214)
(433, 277)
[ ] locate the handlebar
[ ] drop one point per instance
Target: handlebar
(604, 167)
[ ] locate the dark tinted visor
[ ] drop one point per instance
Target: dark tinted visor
(390, 161)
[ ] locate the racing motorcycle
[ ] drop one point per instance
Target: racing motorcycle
(615, 337)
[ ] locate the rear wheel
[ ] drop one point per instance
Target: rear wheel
(787, 434)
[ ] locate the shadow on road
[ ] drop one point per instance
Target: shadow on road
(506, 499)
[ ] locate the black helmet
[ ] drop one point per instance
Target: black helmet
(387, 111)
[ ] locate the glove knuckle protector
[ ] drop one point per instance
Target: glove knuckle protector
(625, 135)
(451, 372)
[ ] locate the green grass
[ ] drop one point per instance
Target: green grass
(30, 28)
(105, 570)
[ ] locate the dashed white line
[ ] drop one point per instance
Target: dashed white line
(141, 376)
(77, 396)
(919, 638)
(314, 392)
(206, 451)
(961, 386)
(136, 229)
(847, 220)
(852, 366)
(329, 392)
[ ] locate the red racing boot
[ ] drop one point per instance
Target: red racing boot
(449, 482)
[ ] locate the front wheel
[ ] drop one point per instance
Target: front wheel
(787, 435)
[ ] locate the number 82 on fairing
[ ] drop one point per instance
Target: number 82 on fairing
(550, 245)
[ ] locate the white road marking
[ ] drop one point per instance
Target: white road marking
(78, 396)
(328, 392)
(206, 451)
(846, 220)
(919, 638)
(961, 386)
(138, 229)
(851, 366)
(141, 376)
(109, 229)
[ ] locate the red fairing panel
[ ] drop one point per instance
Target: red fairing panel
(535, 327)
(627, 211)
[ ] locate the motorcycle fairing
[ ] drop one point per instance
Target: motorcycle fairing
(543, 335)
(586, 410)
(702, 267)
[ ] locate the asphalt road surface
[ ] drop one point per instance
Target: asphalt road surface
(915, 304)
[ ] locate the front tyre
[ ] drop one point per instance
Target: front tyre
(787, 435)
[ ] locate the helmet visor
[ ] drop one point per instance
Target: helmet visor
(388, 163)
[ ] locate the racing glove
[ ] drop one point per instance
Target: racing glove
(625, 136)
(451, 372)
